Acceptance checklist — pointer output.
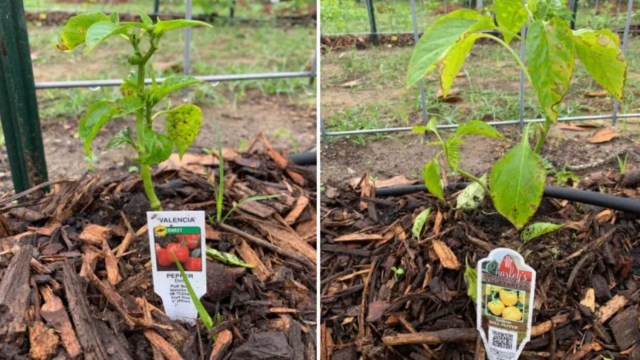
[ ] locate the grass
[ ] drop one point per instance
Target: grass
(222, 50)
(243, 9)
(488, 86)
(351, 17)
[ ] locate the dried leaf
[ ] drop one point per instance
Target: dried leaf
(359, 237)
(603, 135)
(95, 234)
(394, 181)
(596, 93)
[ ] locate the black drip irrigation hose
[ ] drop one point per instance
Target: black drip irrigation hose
(303, 159)
(583, 196)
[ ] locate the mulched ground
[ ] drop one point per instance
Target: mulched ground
(75, 271)
(587, 294)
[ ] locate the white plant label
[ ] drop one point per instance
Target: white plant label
(179, 233)
(506, 288)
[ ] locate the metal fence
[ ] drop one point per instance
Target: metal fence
(417, 8)
(18, 106)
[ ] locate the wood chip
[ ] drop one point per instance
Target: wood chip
(210, 233)
(446, 256)
(55, 314)
(158, 342)
(359, 237)
(257, 208)
(625, 327)
(293, 215)
(14, 295)
(283, 310)
(250, 257)
(610, 308)
(223, 341)
(44, 341)
(589, 299)
(95, 234)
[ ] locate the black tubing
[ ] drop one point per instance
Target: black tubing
(308, 158)
(583, 196)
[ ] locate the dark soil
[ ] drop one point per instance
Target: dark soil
(71, 295)
(365, 306)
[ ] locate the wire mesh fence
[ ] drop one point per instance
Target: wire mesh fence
(349, 17)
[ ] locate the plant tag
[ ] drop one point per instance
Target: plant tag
(505, 302)
(181, 232)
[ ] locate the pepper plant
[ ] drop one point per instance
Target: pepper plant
(516, 181)
(182, 122)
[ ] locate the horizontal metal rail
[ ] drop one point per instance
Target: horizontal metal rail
(206, 78)
(494, 123)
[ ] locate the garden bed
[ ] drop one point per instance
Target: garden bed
(587, 294)
(75, 271)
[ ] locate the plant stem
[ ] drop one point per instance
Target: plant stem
(145, 173)
(474, 178)
(543, 135)
(513, 53)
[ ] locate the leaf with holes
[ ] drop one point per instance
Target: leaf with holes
(183, 124)
(550, 55)
(75, 30)
(472, 195)
(600, 52)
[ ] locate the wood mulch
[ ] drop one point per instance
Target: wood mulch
(75, 270)
(587, 301)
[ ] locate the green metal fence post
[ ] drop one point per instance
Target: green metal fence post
(372, 23)
(18, 104)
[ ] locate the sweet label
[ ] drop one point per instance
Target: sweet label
(505, 302)
(180, 233)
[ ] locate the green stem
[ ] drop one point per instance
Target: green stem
(474, 178)
(145, 173)
(513, 53)
(543, 135)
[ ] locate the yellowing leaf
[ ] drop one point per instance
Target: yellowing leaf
(183, 125)
(550, 55)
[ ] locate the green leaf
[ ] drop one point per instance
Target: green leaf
(517, 182)
(550, 55)
(511, 16)
(129, 86)
(472, 195)
(162, 27)
(564, 176)
(183, 124)
(171, 84)
(600, 52)
(471, 279)
(204, 315)
(418, 223)
(538, 229)
(431, 177)
(99, 32)
(93, 120)
(129, 104)
(121, 137)
(452, 152)
(478, 127)
(157, 147)
(432, 126)
(440, 37)
(75, 30)
(145, 18)
(453, 61)
(114, 17)
(227, 258)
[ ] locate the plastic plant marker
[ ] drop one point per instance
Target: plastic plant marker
(505, 290)
(167, 232)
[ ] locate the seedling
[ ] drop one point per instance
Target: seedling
(182, 122)
(398, 272)
(516, 181)
(622, 163)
